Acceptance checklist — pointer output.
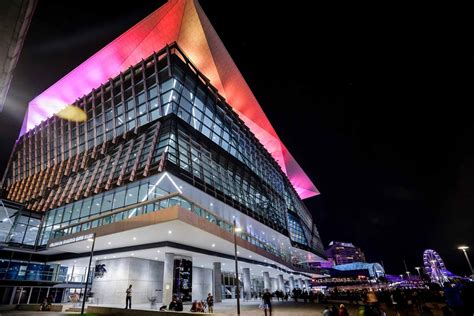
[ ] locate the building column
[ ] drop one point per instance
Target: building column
(281, 283)
(247, 286)
(266, 281)
(274, 283)
(292, 284)
(217, 282)
(299, 284)
(168, 278)
(306, 283)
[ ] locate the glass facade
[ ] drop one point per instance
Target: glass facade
(32, 271)
(152, 198)
(160, 115)
(18, 227)
(295, 229)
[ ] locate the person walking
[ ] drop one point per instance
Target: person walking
(326, 311)
(210, 303)
(128, 298)
(343, 310)
(267, 302)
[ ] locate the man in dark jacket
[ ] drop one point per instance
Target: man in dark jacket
(128, 297)
(267, 301)
(210, 303)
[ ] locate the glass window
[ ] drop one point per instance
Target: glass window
(67, 215)
(143, 192)
(132, 195)
(152, 92)
(119, 198)
(86, 207)
(129, 104)
(130, 115)
(141, 98)
(58, 218)
(76, 210)
(107, 202)
(96, 204)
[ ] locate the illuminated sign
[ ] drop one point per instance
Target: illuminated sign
(70, 240)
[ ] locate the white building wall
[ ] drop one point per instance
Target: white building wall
(202, 283)
(146, 277)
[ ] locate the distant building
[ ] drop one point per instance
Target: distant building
(372, 269)
(343, 253)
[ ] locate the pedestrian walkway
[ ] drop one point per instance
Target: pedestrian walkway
(228, 307)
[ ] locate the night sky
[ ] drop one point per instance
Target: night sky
(372, 102)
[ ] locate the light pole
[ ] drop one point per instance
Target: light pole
(237, 290)
(408, 274)
(418, 270)
(464, 248)
(88, 272)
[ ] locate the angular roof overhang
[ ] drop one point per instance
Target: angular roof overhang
(184, 22)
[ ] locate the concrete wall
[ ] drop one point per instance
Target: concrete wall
(202, 283)
(146, 276)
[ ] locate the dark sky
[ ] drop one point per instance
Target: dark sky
(373, 103)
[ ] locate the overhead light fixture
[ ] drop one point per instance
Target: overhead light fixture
(170, 232)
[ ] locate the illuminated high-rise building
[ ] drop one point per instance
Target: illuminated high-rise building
(343, 253)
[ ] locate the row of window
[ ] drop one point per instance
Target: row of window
(296, 231)
(99, 204)
(187, 100)
(198, 160)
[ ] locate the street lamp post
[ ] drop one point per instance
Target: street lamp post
(464, 249)
(237, 291)
(418, 270)
(88, 273)
(408, 274)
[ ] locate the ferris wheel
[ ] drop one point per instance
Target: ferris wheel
(434, 266)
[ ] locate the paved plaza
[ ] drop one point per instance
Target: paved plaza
(248, 308)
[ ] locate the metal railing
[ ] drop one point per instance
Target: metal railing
(31, 275)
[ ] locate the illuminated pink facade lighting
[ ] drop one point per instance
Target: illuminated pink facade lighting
(184, 22)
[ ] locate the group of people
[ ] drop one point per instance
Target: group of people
(452, 299)
(176, 303)
(47, 302)
(456, 297)
(334, 311)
